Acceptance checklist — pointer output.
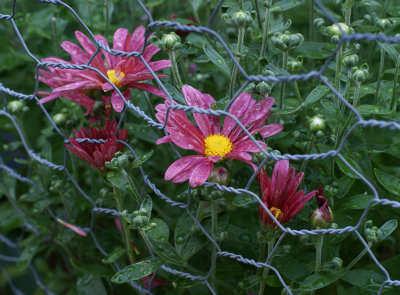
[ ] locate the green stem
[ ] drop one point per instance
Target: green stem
(241, 31)
(214, 223)
(338, 71)
(62, 197)
(282, 85)
(318, 253)
(260, 255)
(175, 70)
(55, 36)
(183, 70)
(266, 269)
(297, 91)
(393, 104)
(265, 32)
(194, 12)
(132, 185)
(309, 150)
(347, 12)
(355, 260)
(257, 13)
(311, 20)
(126, 235)
(380, 75)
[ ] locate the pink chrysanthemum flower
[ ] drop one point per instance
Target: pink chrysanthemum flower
(97, 154)
(208, 140)
(279, 194)
(124, 72)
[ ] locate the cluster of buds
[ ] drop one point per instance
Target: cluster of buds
(138, 219)
(119, 162)
(336, 31)
(350, 60)
(371, 231)
(16, 106)
(286, 41)
(240, 19)
(360, 74)
(383, 24)
(168, 42)
(321, 217)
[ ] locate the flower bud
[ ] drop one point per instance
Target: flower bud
(294, 66)
(296, 40)
(319, 22)
(296, 134)
(316, 123)
(371, 232)
(382, 24)
(60, 119)
(219, 175)
(359, 75)
(267, 3)
(240, 19)
(263, 88)
(170, 41)
(15, 106)
(285, 41)
(350, 60)
(322, 216)
(319, 134)
(338, 29)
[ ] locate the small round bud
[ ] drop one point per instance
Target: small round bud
(139, 221)
(170, 41)
(296, 134)
(383, 24)
(55, 185)
(321, 218)
(219, 175)
(267, 3)
(60, 119)
(281, 41)
(294, 66)
(316, 123)
(15, 106)
(319, 22)
(240, 19)
(104, 192)
(296, 40)
(373, 234)
(338, 262)
(123, 161)
(350, 60)
(359, 75)
(216, 194)
(263, 88)
(338, 29)
(319, 134)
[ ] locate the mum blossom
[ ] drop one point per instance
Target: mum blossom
(124, 72)
(208, 140)
(279, 194)
(97, 154)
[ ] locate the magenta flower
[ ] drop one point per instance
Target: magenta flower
(279, 194)
(208, 140)
(321, 217)
(97, 154)
(124, 72)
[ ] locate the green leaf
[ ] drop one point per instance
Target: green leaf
(194, 244)
(175, 94)
(389, 182)
(316, 94)
(386, 229)
(147, 205)
(367, 109)
(366, 279)
(315, 50)
(331, 109)
(345, 185)
(154, 3)
(390, 50)
(96, 269)
(141, 159)
(241, 200)
(27, 253)
(345, 169)
(114, 255)
(89, 285)
(217, 60)
(286, 5)
(357, 202)
(320, 280)
(136, 271)
(158, 230)
(182, 232)
(118, 180)
(279, 27)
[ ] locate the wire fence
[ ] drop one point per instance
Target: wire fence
(130, 107)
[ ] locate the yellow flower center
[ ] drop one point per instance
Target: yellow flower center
(217, 144)
(278, 212)
(115, 77)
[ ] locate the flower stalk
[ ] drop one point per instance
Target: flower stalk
(380, 75)
(214, 234)
(174, 67)
(265, 272)
(285, 55)
(265, 30)
(241, 31)
(393, 104)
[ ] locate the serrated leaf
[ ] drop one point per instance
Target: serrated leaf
(386, 229)
(357, 202)
(114, 255)
(389, 182)
(241, 200)
(136, 271)
(141, 159)
(217, 60)
(158, 230)
(345, 169)
(316, 94)
(118, 180)
(286, 5)
(315, 50)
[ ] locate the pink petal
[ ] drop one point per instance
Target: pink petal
(242, 156)
(200, 174)
(137, 39)
(179, 170)
(269, 130)
(82, 85)
(279, 180)
(111, 60)
(117, 101)
(121, 39)
(50, 97)
(186, 142)
(85, 42)
(257, 111)
(107, 87)
(249, 146)
(164, 139)
(72, 227)
(149, 88)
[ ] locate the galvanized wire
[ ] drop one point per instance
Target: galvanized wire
(129, 106)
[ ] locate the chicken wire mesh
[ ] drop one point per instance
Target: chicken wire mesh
(130, 107)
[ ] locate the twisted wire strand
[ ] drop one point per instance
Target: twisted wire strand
(268, 155)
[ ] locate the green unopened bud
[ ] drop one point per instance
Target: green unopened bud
(55, 185)
(383, 24)
(367, 18)
(240, 19)
(321, 218)
(294, 66)
(60, 119)
(296, 134)
(123, 161)
(319, 134)
(267, 3)
(104, 192)
(338, 29)
(338, 262)
(219, 175)
(316, 123)
(15, 106)
(319, 22)
(286, 41)
(170, 41)
(350, 60)
(359, 75)
(296, 40)
(371, 232)
(263, 88)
